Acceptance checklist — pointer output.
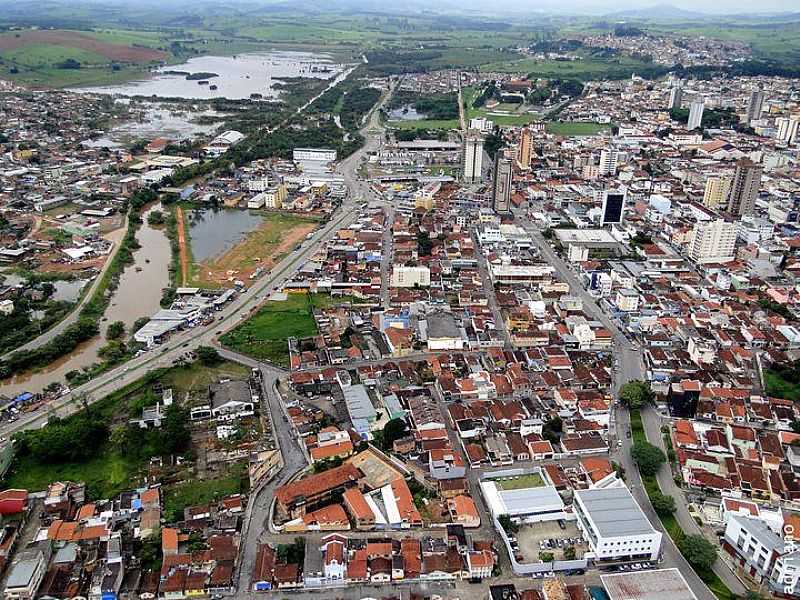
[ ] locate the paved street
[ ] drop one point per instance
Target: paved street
(491, 298)
(387, 251)
(630, 368)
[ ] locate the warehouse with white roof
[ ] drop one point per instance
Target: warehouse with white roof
(614, 525)
(526, 504)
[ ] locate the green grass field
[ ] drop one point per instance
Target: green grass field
(425, 124)
(195, 492)
(584, 69)
(264, 335)
(576, 128)
(106, 475)
(529, 480)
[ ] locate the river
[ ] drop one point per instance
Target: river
(238, 77)
(138, 295)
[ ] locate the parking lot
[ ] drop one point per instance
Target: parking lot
(538, 538)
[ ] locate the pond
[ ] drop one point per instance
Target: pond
(68, 291)
(237, 77)
(212, 232)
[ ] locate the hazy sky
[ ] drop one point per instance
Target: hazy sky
(710, 6)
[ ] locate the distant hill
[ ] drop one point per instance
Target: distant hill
(660, 11)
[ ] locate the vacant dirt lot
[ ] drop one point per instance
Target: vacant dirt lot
(74, 39)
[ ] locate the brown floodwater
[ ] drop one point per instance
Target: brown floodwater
(138, 295)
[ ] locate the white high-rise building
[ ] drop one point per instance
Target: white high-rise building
(473, 157)
(609, 159)
(695, 114)
(713, 242)
(787, 129)
(501, 192)
(675, 97)
(717, 191)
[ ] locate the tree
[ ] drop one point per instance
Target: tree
(175, 433)
(569, 553)
(636, 394)
(647, 457)
(149, 553)
(698, 551)
(663, 505)
(115, 331)
(208, 356)
(156, 217)
(552, 428)
(508, 524)
(395, 429)
(546, 557)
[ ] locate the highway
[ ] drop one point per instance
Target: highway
(231, 314)
(73, 315)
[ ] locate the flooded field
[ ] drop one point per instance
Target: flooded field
(154, 119)
(68, 291)
(235, 77)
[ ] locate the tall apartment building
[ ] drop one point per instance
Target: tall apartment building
(755, 106)
(787, 129)
(744, 189)
(613, 207)
(717, 191)
(713, 242)
(525, 148)
(501, 192)
(675, 97)
(609, 160)
(473, 157)
(696, 109)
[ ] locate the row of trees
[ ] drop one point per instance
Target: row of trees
(698, 551)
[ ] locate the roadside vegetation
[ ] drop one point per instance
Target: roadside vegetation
(698, 551)
(101, 447)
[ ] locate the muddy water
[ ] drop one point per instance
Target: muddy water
(213, 232)
(138, 295)
(237, 76)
